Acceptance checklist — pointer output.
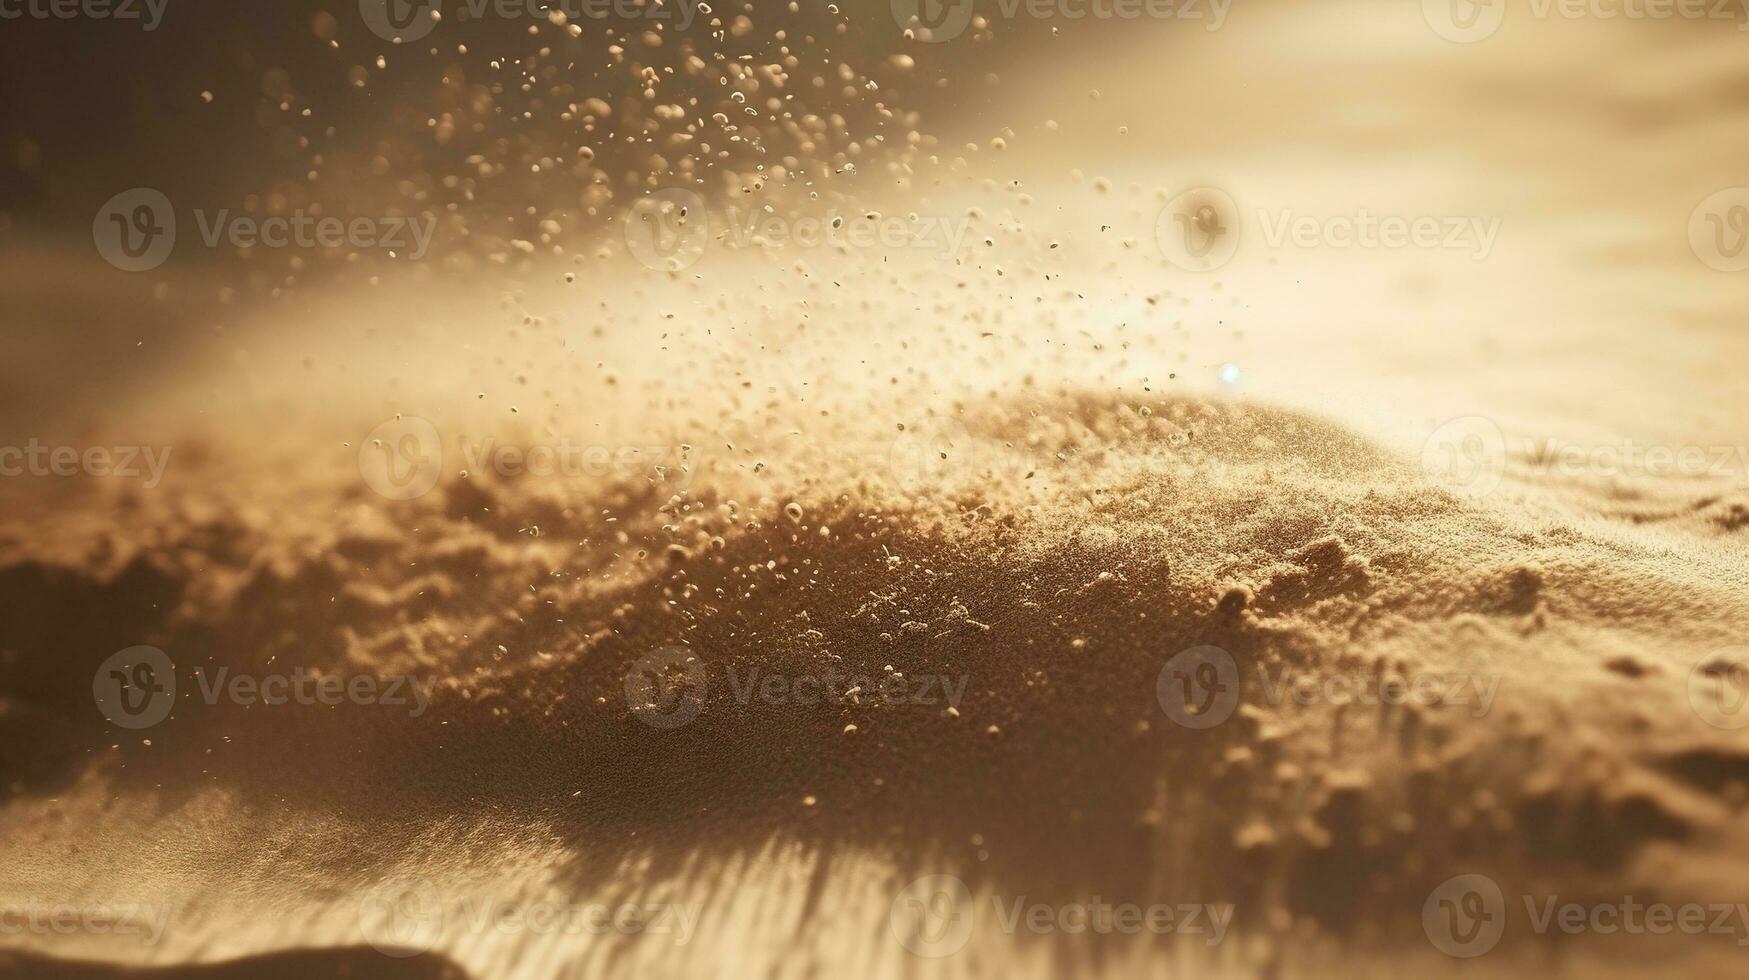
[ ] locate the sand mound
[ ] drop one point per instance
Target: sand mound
(915, 669)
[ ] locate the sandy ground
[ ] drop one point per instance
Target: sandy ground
(1035, 472)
